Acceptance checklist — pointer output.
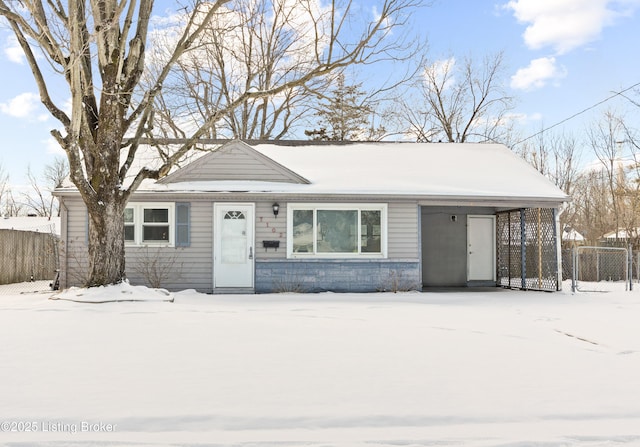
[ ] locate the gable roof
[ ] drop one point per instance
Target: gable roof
(234, 161)
(474, 173)
(431, 170)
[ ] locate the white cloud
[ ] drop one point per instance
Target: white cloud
(537, 74)
(387, 24)
(567, 24)
(13, 51)
(53, 147)
(441, 72)
(376, 15)
(25, 105)
(535, 117)
(523, 118)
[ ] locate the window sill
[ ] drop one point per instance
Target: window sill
(149, 244)
(345, 256)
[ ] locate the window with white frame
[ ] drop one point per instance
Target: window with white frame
(344, 230)
(149, 223)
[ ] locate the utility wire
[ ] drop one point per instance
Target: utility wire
(579, 113)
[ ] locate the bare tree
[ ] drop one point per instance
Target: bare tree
(8, 205)
(593, 206)
(4, 188)
(255, 46)
(606, 193)
(40, 199)
(99, 49)
(604, 139)
(459, 103)
(11, 207)
(557, 156)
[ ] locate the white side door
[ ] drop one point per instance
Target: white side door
(233, 263)
(481, 248)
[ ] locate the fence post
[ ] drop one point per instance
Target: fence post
(630, 269)
(523, 249)
(574, 269)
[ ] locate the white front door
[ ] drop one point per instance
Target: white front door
(233, 245)
(481, 248)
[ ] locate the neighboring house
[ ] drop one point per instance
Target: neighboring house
(31, 223)
(620, 238)
(621, 234)
(303, 216)
(571, 237)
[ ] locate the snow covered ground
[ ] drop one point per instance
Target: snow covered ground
(489, 368)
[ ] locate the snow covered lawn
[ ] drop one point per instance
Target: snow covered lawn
(491, 368)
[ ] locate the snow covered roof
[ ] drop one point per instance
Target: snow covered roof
(570, 234)
(412, 168)
(622, 233)
(429, 170)
(31, 223)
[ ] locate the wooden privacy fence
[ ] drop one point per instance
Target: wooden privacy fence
(27, 256)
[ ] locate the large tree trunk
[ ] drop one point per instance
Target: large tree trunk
(103, 141)
(106, 243)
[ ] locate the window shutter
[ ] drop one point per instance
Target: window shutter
(183, 224)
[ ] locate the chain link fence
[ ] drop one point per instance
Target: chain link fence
(28, 260)
(601, 269)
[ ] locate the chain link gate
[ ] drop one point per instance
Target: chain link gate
(527, 249)
(601, 269)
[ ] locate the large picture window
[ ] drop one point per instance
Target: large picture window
(352, 230)
(149, 224)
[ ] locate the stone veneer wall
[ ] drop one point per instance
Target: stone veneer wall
(339, 275)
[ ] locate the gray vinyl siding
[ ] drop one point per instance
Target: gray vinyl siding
(186, 267)
(73, 253)
(444, 244)
(232, 163)
(192, 267)
(403, 232)
(237, 167)
(270, 228)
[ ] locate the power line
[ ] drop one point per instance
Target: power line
(579, 113)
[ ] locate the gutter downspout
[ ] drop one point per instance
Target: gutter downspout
(558, 233)
(523, 249)
(64, 230)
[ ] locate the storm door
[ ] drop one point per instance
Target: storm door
(233, 264)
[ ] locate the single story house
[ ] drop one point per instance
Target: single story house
(572, 237)
(621, 236)
(304, 216)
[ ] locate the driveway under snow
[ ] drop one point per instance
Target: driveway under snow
(497, 368)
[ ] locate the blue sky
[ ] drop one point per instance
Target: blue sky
(561, 56)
